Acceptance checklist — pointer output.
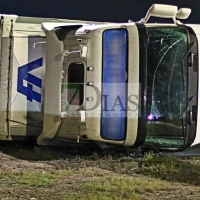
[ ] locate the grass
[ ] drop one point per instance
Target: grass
(61, 173)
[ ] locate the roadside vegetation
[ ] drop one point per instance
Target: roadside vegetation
(32, 172)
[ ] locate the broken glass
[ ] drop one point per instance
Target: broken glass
(166, 97)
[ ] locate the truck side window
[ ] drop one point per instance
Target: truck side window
(75, 92)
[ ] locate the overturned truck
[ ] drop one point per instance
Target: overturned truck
(131, 84)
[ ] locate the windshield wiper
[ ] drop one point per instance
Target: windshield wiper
(190, 101)
(190, 46)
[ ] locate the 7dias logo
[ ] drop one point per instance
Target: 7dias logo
(102, 99)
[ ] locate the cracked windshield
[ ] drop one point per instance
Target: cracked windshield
(166, 95)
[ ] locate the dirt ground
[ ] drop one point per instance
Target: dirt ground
(30, 172)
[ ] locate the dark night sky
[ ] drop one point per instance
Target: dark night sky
(95, 10)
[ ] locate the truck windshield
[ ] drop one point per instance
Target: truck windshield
(166, 92)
